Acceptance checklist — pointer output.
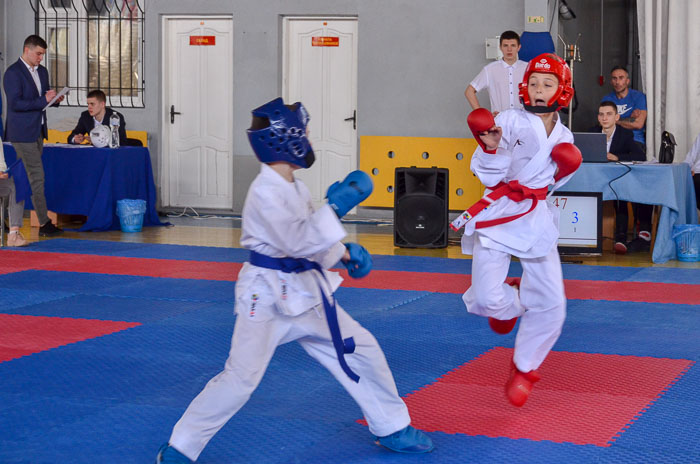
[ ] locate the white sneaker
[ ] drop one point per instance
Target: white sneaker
(15, 239)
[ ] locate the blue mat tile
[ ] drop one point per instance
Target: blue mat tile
(16, 300)
(109, 308)
(120, 285)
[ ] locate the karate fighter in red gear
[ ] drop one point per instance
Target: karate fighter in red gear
(520, 154)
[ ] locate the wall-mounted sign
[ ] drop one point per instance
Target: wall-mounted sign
(325, 41)
(202, 40)
(535, 19)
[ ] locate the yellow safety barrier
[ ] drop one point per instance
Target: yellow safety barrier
(380, 156)
(56, 136)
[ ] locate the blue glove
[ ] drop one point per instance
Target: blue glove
(353, 190)
(360, 262)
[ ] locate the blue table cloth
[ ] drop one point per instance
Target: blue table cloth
(668, 185)
(88, 181)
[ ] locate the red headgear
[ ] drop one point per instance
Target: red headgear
(548, 63)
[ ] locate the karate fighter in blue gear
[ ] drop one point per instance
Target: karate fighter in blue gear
(284, 293)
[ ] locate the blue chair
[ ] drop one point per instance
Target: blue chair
(533, 44)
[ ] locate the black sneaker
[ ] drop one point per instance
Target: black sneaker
(49, 230)
(638, 245)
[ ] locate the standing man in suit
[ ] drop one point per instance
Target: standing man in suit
(28, 92)
(623, 147)
(97, 113)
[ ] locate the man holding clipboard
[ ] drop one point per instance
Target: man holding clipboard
(28, 94)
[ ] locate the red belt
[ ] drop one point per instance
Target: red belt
(512, 190)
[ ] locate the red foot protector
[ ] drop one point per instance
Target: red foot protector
(25, 335)
(583, 398)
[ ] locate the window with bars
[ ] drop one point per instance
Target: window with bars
(94, 44)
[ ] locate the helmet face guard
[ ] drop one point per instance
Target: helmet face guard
(548, 63)
(278, 133)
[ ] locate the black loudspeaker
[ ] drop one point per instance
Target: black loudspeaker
(420, 207)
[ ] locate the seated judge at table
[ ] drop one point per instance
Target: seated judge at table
(97, 113)
(622, 147)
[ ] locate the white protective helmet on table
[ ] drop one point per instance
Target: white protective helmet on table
(100, 136)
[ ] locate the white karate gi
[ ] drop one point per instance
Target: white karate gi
(274, 308)
(523, 155)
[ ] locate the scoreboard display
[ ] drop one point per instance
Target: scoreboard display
(580, 222)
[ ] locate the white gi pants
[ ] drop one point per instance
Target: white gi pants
(252, 347)
(541, 303)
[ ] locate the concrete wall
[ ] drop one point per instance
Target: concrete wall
(415, 60)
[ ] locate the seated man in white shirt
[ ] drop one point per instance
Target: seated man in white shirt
(693, 159)
(97, 113)
(501, 77)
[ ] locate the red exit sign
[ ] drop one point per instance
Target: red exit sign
(325, 41)
(202, 40)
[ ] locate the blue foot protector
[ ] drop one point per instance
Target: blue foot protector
(169, 455)
(407, 440)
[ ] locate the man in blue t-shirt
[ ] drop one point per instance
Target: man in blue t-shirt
(631, 104)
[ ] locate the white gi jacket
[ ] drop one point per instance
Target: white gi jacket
(523, 155)
(279, 221)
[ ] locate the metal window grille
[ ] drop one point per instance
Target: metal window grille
(94, 44)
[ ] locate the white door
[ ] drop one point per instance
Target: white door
(198, 146)
(320, 70)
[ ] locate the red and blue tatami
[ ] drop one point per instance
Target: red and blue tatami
(104, 344)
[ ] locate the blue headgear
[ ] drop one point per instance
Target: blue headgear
(278, 133)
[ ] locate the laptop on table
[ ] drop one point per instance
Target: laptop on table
(593, 146)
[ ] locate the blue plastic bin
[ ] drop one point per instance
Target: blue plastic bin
(687, 237)
(130, 214)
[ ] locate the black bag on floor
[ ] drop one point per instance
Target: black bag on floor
(667, 148)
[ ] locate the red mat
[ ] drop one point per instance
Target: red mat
(585, 399)
(25, 335)
(644, 292)
(96, 264)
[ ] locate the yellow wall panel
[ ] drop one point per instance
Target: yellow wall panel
(380, 156)
(56, 136)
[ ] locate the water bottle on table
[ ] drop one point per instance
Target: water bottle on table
(114, 127)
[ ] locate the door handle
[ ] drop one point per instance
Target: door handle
(172, 114)
(353, 118)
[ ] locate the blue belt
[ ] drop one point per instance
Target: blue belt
(296, 265)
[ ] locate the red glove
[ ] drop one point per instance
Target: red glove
(479, 121)
(568, 159)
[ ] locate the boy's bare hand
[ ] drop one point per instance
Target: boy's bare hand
(492, 137)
